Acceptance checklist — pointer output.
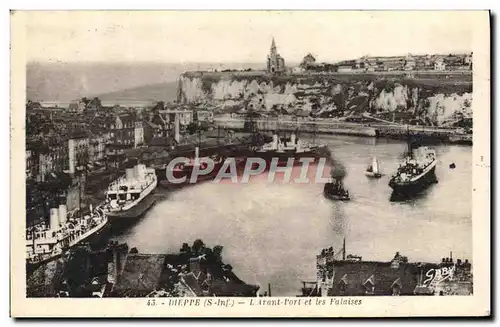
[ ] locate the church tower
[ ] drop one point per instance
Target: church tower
(275, 63)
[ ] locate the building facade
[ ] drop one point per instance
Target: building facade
(126, 132)
(52, 159)
(78, 152)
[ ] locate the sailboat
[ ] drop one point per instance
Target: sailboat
(373, 169)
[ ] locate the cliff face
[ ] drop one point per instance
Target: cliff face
(433, 100)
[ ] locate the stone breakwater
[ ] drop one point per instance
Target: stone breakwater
(433, 99)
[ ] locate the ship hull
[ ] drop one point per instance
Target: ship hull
(127, 216)
(416, 186)
(331, 194)
(165, 183)
(372, 174)
(336, 197)
(283, 157)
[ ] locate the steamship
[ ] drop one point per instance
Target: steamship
(416, 173)
(284, 149)
(65, 230)
(180, 174)
(130, 196)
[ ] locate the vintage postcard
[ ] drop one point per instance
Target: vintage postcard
(250, 163)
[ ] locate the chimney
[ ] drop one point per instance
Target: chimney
(114, 264)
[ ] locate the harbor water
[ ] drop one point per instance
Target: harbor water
(272, 232)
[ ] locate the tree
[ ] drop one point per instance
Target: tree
(185, 248)
(198, 246)
(217, 251)
(160, 105)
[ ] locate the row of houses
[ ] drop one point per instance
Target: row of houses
(71, 145)
(451, 62)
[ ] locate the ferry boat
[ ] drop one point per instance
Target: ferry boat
(284, 149)
(184, 170)
(131, 195)
(416, 173)
(373, 169)
(48, 242)
(334, 190)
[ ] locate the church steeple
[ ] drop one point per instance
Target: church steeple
(273, 46)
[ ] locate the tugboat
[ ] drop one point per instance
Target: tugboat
(334, 190)
(45, 243)
(130, 196)
(416, 172)
(373, 169)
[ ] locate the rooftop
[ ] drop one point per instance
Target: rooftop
(141, 274)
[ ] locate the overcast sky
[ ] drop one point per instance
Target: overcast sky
(174, 37)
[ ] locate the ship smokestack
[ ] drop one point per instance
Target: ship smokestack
(129, 173)
(177, 128)
(275, 141)
(62, 213)
(54, 218)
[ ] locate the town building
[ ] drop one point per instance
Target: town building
(410, 63)
(78, 152)
(204, 115)
(97, 147)
(32, 166)
(77, 107)
(126, 132)
(345, 69)
(53, 158)
(439, 64)
(275, 63)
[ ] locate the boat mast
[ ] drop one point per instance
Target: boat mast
(314, 131)
(343, 250)
(408, 142)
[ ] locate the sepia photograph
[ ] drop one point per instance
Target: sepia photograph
(253, 161)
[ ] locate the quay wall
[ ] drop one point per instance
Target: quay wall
(340, 128)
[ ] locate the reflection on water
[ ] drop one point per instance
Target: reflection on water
(271, 233)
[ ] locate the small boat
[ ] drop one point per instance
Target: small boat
(334, 190)
(452, 165)
(373, 169)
